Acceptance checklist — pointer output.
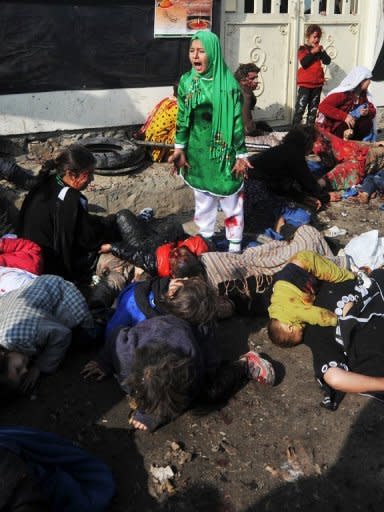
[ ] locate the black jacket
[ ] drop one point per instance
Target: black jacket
(56, 218)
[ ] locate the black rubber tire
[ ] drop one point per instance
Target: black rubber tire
(114, 156)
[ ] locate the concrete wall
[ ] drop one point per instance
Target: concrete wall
(72, 110)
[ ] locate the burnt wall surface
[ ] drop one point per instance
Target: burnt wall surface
(100, 44)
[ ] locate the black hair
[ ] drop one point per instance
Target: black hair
(76, 158)
(189, 266)
(162, 380)
(243, 70)
(303, 137)
(195, 301)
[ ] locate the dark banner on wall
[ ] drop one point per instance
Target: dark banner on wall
(67, 45)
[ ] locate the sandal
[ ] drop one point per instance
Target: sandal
(334, 232)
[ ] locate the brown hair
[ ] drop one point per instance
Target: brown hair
(243, 70)
(162, 380)
(311, 29)
(195, 302)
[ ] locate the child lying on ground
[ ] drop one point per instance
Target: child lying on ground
(35, 330)
(190, 298)
(350, 357)
(294, 293)
(166, 362)
(156, 252)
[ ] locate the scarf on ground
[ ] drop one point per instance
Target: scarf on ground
(225, 94)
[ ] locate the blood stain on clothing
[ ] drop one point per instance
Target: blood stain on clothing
(231, 222)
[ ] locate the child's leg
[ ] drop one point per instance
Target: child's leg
(322, 268)
(233, 208)
(228, 378)
(313, 103)
(205, 213)
(301, 104)
(379, 181)
(351, 382)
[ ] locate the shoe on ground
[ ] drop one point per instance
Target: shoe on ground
(259, 369)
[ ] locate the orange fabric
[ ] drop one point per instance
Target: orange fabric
(160, 126)
(195, 244)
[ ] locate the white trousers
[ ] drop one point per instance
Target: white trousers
(206, 206)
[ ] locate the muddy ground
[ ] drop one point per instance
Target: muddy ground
(224, 460)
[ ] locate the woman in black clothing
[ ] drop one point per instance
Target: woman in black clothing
(277, 176)
(55, 215)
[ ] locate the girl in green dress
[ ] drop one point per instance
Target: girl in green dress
(210, 150)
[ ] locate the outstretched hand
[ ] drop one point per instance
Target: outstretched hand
(179, 160)
(92, 369)
(241, 167)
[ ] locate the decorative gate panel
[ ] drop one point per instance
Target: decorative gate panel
(269, 32)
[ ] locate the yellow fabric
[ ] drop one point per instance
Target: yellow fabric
(292, 306)
(322, 268)
(161, 127)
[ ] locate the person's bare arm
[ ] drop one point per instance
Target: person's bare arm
(351, 382)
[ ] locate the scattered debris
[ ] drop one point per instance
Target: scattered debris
(298, 465)
(161, 482)
(177, 455)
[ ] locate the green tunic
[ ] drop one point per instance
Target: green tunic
(206, 174)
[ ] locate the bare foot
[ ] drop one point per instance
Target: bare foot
(334, 196)
(361, 198)
(137, 424)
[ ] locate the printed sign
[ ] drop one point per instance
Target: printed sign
(182, 18)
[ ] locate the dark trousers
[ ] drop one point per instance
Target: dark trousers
(307, 97)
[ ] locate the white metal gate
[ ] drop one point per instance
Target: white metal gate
(269, 32)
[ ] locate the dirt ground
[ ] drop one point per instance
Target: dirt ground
(224, 460)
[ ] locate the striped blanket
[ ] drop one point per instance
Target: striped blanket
(264, 261)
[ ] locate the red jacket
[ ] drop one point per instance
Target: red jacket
(335, 108)
(21, 253)
(195, 244)
(312, 76)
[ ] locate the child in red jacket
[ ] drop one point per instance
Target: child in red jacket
(310, 75)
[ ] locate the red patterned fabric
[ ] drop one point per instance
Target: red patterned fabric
(350, 157)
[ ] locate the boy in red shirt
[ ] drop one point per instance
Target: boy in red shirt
(310, 75)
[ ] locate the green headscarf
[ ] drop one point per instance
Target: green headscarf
(225, 94)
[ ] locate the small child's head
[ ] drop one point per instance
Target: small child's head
(13, 367)
(191, 299)
(184, 263)
(284, 335)
(162, 380)
(313, 34)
